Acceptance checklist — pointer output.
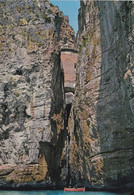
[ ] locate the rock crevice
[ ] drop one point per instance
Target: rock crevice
(65, 121)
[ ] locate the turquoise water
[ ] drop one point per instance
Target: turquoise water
(56, 193)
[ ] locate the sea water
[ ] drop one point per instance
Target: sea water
(57, 193)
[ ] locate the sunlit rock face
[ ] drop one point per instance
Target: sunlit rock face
(102, 119)
(32, 109)
(64, 30)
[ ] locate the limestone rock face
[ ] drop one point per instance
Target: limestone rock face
(102, 119)
(45, 141)
(65, 31)
(32, 133)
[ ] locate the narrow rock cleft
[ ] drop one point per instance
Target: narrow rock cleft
(66, 105)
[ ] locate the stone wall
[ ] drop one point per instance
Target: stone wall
(69, 60)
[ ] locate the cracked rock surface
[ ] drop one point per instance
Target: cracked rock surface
(32, 109)
(50, 140)
(102, 124)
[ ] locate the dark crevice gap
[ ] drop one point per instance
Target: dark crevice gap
(68, 109)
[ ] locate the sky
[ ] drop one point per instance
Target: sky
(70, 9)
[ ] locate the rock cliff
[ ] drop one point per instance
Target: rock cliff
(64, 30)
(46, 142)
(102, 119)
(32, 107)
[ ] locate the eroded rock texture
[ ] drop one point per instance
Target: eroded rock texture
(102, 119)
(32, 133)
(65, 31)
(43, 141)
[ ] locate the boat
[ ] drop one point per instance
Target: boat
(75, 189)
